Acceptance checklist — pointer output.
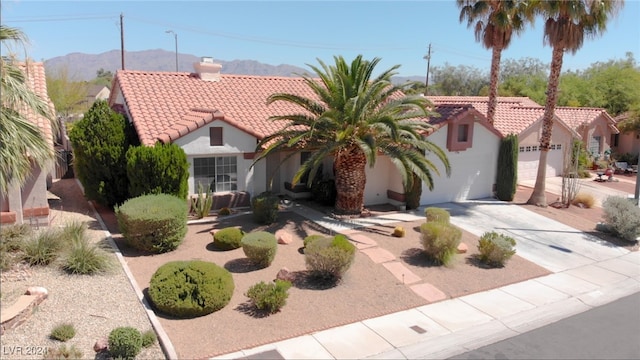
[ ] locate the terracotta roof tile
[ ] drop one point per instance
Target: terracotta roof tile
(36, 81)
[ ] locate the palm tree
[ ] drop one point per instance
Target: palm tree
(352, 119)
(23, 143)
(568, 23)
(494, 23)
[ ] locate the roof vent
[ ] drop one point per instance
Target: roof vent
(207, 70)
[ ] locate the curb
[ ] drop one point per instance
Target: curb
(163, 338)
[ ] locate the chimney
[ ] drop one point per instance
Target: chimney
(207, 70)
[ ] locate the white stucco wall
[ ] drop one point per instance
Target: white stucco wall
(382, 177)
(473, 171)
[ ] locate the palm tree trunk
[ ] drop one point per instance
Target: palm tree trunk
(493, 83)
(538, 197)
(350, 180)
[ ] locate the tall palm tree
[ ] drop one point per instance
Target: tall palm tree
(22, 143)
(494, 23)
(567, 24)
(352, 119)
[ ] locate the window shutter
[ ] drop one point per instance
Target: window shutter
(215, 136)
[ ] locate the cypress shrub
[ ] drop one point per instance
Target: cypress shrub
(153, 223)
(260, 247)
(190, 288)
(265, 208)
(162, 169)
(100, 142)
(507, 174)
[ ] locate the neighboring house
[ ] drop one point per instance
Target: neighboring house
(625, 143)
(97, 92)
(523, 117)
(218, 119)
(28, 204)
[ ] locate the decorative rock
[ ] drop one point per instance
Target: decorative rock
(284, 237)
(285, 274)
(38, 291)
(462, 248)
(101, 345)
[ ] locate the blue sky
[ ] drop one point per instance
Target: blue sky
(294, 32)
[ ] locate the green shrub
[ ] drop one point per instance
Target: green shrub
(228, 238)
(44, 248)
(270, 297)
(224, 211)
(12, 237)
(100, 142)
(201, 204)
(329, 257)
(149, 338)
(153, 223)
(64, 352)
(265, 208)
(440, 241)
(495, 249)
(311, 238)
(437, 214)
(85, 259)
(63, 332)
(622, 216)
(507, 174)
(125, 342)
(190, 288)
(161, 169)
(260, 247)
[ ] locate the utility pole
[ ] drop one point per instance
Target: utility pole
(175, 36)
(122, 40)
(428, 57)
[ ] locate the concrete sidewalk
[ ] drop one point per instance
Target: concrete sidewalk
(587, 272)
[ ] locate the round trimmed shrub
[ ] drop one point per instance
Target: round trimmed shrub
(190, 288)
(125, 342)
(153, 223)
(329, 257)
(440, 241)
(228, 238)
(495, 249)
(437, 214)
(311, 238)
(265, 208)
(260, 247)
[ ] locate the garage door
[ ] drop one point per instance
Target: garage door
(528, 159)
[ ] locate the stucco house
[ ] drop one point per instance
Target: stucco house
(28, 204)
(523, 117)
(219, 118)
(626, 142)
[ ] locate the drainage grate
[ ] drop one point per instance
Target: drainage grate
(418, 329)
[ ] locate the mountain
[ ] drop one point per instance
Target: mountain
(82, 66)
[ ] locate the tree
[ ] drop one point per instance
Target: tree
(162, 169)
(567, 24)
(100, 142)
(457, 80)
(353, 118)
(524, 77)
(103, 77)
(67, 95)
(494, 22)
(22, 143)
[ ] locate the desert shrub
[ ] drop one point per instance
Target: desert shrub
(260, 247)
(161, 169)
(440, 241)
(329, 257)
(125, 342)
(44, 248)
(149, 338)
(190, 288)
(228, 238)
(85, 258)
(324, 192)
(495, 249)
(584, 199)
(622, 216)
(100, 142)
(265, 208)
(437, 214)
(12, 237)
(153, 223)
(270, 297)
(63, 332)
(63, 352)
(310, 238)
(224, 211)
(399, 231)
(201, 204)
(507, 173)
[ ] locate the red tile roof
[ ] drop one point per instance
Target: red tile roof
(575, 117)
(36, 81)
(167, 105)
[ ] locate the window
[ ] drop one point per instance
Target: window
(221, 173)
(615, 139)
(553, 146)
(463, 132)
(215, 136)
(527, 149)
(521, 149)
(534, 148)
(594, 145)
(559, 147)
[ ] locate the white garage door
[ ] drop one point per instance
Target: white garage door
(528, 159)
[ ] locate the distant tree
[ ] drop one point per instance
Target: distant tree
(103, 77)
(21, 142)
(68, 96)
(632, 123)
(457, 80)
